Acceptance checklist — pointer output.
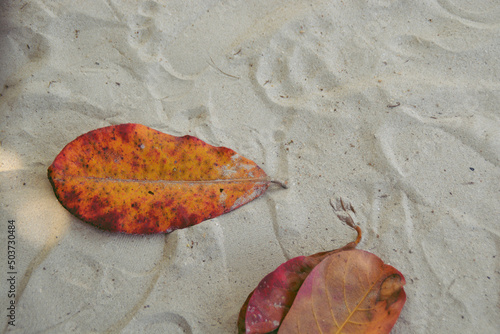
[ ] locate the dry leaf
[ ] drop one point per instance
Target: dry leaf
(351, 291)
(133, 179)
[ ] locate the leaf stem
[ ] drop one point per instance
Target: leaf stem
(283, 185)
(358, 238)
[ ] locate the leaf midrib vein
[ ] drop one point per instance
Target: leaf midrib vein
(109, 179)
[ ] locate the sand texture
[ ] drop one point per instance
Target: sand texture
(391, 105)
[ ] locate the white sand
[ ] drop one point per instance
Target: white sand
(303, 89)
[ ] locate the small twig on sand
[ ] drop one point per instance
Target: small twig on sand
(221, 71)
(346, 218)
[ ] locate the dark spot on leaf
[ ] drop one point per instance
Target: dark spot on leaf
(390, 289)
(108, 221)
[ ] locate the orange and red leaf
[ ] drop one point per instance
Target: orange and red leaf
(351, 291)
(133, 179)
